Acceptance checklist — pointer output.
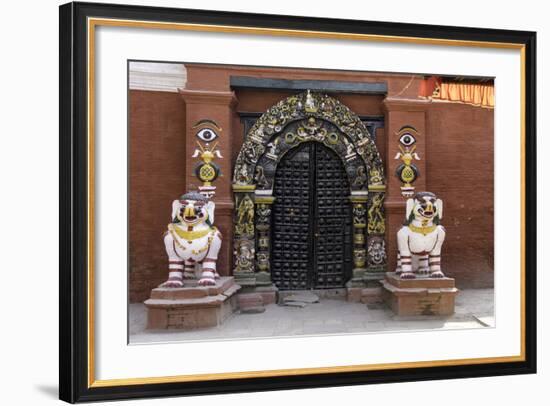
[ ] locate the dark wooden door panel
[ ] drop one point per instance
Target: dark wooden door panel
(332, 236)
(291, 221)
(311, 220)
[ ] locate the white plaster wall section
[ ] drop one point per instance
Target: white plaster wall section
(154, 76)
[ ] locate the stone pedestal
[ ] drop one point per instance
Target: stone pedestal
(420, 296)
(192, 306)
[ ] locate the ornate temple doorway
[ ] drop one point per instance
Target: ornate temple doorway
(311, 224)
(309, 189)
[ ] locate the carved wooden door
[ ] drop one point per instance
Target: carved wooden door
(312, 247)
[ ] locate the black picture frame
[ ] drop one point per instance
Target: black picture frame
(74, 200)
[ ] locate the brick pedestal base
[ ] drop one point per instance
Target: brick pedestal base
(192, 306)
(419, 297)
(365, 295)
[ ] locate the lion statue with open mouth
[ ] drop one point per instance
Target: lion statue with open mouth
(192, 242)
(420, 239)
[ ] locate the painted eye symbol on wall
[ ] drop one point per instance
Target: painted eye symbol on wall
(207, 135)
(407, 139)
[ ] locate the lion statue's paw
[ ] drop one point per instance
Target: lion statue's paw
(172, 284)
(207, 278)
(207, 282)
(407, 275)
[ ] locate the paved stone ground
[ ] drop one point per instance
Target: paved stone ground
(474, 309)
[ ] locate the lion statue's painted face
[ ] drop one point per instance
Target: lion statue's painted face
(192, 212)
(425, 206)
(193, 209)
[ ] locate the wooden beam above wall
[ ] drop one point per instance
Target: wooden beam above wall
(329, 86)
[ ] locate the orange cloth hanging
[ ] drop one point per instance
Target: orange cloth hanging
(476, 94)
(471, 93)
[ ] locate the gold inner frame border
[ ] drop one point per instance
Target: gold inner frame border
(92, 23)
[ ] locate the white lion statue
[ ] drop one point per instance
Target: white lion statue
(192, 242)
(420, 239)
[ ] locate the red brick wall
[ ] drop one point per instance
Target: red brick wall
(156, 176)
(460, 169)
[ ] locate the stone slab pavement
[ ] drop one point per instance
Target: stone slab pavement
(474, 309)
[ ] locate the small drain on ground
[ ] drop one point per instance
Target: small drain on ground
(299, 300)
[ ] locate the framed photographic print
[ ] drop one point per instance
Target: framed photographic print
(257, 202)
